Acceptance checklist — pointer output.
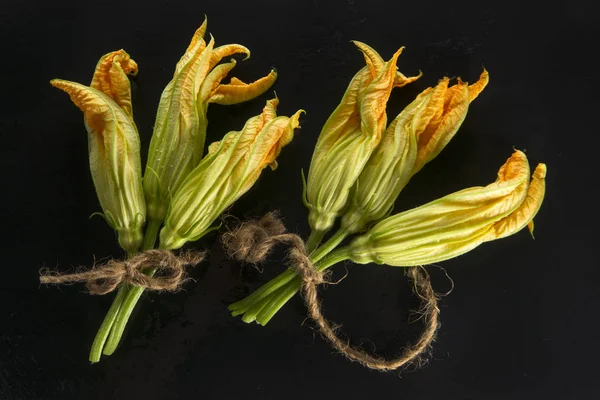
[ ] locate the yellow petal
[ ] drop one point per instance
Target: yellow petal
(432, 112)
(444, 124)
(213, 80)
(227, 50)
(198, 36)
(403, 80)
(523, 216)
(237, 91)
(374, 102)
(376, 64)
(374, 61)
(478, 86)
(196, 46)
(110, 77)
(251, 128)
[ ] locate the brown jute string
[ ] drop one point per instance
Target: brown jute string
(252, 241)
(103, 279)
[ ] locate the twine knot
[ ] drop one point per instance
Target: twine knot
(169, 272)
(252, 241)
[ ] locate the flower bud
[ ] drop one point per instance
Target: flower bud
(114, 148)
(229, 170)
(457, 223)
(349, 137)
(177, 144)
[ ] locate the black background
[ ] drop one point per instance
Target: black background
(521, 321)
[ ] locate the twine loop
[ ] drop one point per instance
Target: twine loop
(252, 241)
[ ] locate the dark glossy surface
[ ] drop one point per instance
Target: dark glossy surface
(521, 321)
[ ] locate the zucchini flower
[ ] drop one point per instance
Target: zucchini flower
(416, 136)
(177, 143)
(229, 170)
(450, 226)
(114, 148)
(348, 138)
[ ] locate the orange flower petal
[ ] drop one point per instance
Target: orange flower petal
(523, 216)
(237, 91)
(227, 50)
(476, 88)
(110, 77)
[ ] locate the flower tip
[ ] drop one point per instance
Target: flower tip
(530, 227)
(295, 119)
(273, 103)
(517, 156)
(60, 83)
(476, 88)
(394, 58)
(540, 171)
(399, 51)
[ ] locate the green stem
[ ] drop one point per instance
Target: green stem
(116, 333)
(263, 310)
(327, 247)
(242, 306)
(314, 240)
(152, 231)
(132, 294)
(109, 319)
(251, 303)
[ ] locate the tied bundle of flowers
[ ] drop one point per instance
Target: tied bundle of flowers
(183, 191)
(357, 171)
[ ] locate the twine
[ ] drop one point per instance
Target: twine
(105, 278)
(252, 241)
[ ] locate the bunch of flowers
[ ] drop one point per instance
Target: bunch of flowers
(183, 189)
(359, 167)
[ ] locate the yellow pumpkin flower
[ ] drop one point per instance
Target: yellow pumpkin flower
(349, 137)
(230, 168)
(114, 148)
(457, 223)
(177, 144)
(416, 136)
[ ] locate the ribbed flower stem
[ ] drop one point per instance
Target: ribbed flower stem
(109, 319)
(264, 303)
(254, 302)
(111, 331)
(285, 293)
(314, 240)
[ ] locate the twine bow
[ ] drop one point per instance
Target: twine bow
(105, 278)
(252, 241)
